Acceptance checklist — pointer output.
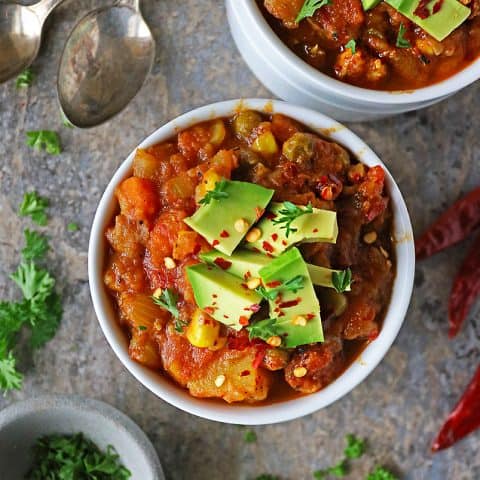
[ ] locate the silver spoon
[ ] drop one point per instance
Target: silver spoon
(21, 29)
(106, 60)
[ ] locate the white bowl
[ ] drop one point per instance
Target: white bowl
(294, 80)
(275, 412)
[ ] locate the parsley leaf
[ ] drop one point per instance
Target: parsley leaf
(25, 79)
(381, 473)
(288, 214)
(34, 205)
(352, 45)
(355, 447)
(339, 470)
(250, 436)
(217, 193)
(402, 42)
(44, 139)
(310, 7)
(36, 245)
(58, 457)
(292, 285)
(263, 329)
(342, 280)
(72, 227)
(168, 299)
(47, 319)
(10, 378)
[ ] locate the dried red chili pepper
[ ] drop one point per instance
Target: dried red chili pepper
(465, 290)
(464, 419)
(459, 221)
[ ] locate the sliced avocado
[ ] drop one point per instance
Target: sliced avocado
(215, 221)
(246, 264)
(289, 305)
(319, 226)
(369, 4)
(439, 25)
(223, 296)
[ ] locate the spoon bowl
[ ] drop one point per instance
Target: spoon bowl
(106, 60)
(20, 37)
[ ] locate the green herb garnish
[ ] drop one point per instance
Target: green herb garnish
(72, 227)
(288, 214)
(44, 140)
(339, 470)
(25, 79)
(263, 329)
(292, 285)
(310, 7)
(142, 328)
(402, 42)
(250, 436)
(355, 447)
(168, 299)
(36, 245)
(34, 206)
(381, 473)
(352, 45)
(10, 378)
(342, 280)
(217, 193)
(68, 457)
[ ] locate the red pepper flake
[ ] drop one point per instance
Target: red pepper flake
(315, 230)
(243, 320)
(274, 284)
(422, 10)
(253, 308)
(224, 234)
(281, 314)
(274, 237)
(197, 248)
(214, 295)
(209, 310)
(291, 303)
(270, 215)
(255, 249)
(284, 243)
(244, 285)
(247, 275)
(257, 361)
(323, 179)
(215, 243)
(309, 316)
(267, 247)
(245, 373)
(259, 211)
(226, 316)
(222, 263)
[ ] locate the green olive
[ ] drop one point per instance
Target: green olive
(299, 148)
(245, 122)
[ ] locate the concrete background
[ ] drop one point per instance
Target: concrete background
(434, 156)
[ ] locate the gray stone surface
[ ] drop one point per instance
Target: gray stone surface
(433, 154)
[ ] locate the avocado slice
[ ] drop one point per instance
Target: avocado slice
(223, 296)
(440, 24)
(215, 221)
(246, 264)
(319, 226)
(289, 305)
(369, 4)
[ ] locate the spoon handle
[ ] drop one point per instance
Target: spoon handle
(45, 7)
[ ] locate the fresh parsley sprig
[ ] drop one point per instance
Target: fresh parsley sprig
(288, 214)
(352, 46)
(292, 285)
(217, 193)
(44, 140)
(36, 245)
(34, 206)
(310, 7)
(381, 473)
(342, 280)
(25, 79)
(59, 457)
(263, 329)
(402, 42)
(168, 299)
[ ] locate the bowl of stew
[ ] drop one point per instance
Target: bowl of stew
(207, 299)
(359, 59)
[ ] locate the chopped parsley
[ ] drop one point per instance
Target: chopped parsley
(44, 140)
(292, 285)
(381, 473)
(142, 328)
(263, 329)
(167, 299)
(310, 7)
(59, 457)
(34, 206)
(217, 193)
(36, 245)
(25, 79)
(288, 214)
(72, 227)
(352, 45)
(355, 447)
(250, 436)
(342, 280)
(402, 42)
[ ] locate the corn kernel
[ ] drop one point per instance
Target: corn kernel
(220, 380)
(299, 320)
(300, 372)
(157, 293)
(274, 341)
(253, 235)
(253, 283)
(169, 262)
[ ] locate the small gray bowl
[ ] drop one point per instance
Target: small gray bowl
(22, 423)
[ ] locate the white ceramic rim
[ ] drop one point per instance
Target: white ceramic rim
(281, 411)
(270, 40)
